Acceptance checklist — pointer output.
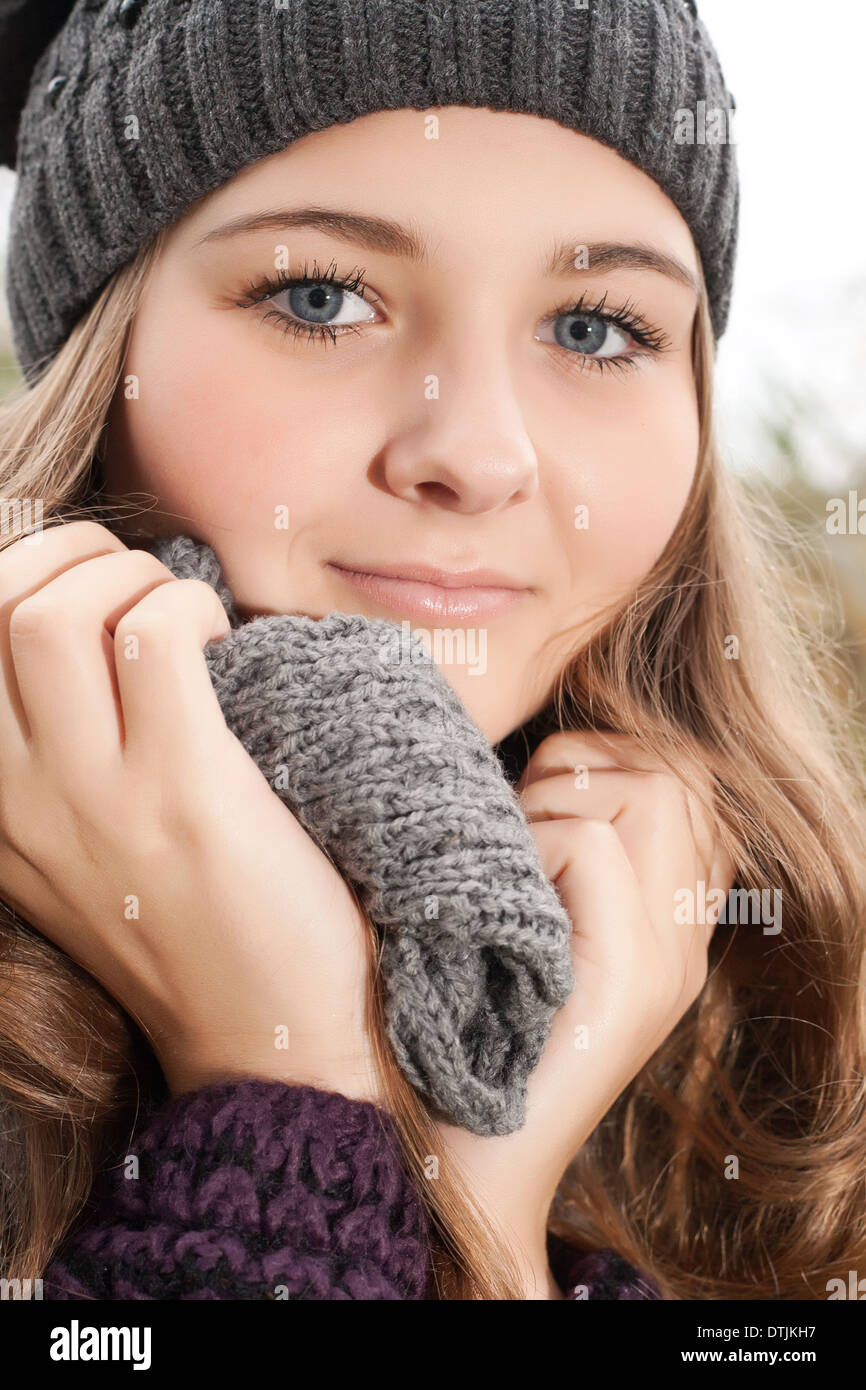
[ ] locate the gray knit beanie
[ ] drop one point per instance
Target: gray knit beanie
(214, 85)
(363, 738)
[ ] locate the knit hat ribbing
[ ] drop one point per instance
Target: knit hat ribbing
(214, 85)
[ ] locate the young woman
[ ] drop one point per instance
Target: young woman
(466, 349)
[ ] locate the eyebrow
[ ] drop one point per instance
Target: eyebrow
(394, 239)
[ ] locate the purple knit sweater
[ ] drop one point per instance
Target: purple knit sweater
(252, 1189)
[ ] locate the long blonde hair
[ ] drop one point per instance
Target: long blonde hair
(732, 1165)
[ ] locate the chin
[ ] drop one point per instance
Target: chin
(470, 690)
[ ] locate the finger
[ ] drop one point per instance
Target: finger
(25, 567)
(61, 644)
(723, 874)
(657, 827)
(587, 863)
(607, 902)
(598, 793)
(606, 794)
(166, 692)
(580, 752)
(568, 751)
(596, 882)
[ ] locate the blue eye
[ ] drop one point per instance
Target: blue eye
(602, 338)
(323, 303)
(590, 334)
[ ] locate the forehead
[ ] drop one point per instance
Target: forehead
(501, 179)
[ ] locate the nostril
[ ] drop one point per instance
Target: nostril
(439, 492)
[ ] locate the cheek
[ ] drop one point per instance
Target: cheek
(633, 474)
(216, 430)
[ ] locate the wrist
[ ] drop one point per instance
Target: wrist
(189, 1066)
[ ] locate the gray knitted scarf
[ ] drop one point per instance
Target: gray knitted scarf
(382, 765)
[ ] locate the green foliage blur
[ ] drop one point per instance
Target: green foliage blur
(834, 556)
(9, 374)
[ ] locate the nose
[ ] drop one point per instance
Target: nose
(467, 450)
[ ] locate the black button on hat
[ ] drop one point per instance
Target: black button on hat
(128, 12)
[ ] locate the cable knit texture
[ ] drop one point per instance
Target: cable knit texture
(137, 108)
(601, 1274)
(367, 743)
(252, 1189)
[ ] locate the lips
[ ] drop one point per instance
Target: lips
(426, 592)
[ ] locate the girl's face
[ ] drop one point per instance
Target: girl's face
(502, 383)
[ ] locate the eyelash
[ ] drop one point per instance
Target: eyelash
(628, 318)
(270, 286)
(654, 341)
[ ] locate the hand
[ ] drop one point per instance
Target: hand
(617, 850)
(138, 835)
